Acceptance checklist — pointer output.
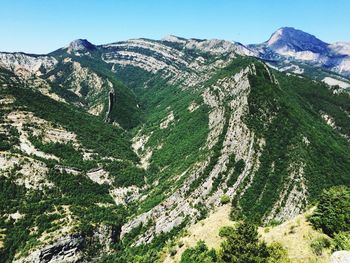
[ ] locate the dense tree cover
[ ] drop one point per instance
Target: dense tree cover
(41, 210)
(283, 115)
(126, 174)
(177, 147)
(182, 140)
(238, 169)
(7, 141)
(242, 245)
(332, 214)
(125, 110)
(92, 132)
(67, 153)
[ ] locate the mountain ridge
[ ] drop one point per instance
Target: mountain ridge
(288, 48)
(128, 143)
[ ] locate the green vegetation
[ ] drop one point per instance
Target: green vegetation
(125, 174)
(145, 252)
(216, 152)
(286, 116)
(92, 132)
(124, 111)
(283, 115)
(44, 211)
(319, 244)
(66, 152)
(80, 194)
(342, 241)
(225, 199)
(238, 169)
(278, 254)
(200, 254)
(8, 141)
(241, 244)
(333, 211)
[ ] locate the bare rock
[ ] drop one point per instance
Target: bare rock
(340, 257)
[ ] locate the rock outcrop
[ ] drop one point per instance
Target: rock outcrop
(340, 257)
(64, 249)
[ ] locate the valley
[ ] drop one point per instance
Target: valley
(115, 152)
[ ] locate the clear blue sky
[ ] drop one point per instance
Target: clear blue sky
(41, 26)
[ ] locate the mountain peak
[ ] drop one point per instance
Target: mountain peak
(291, 39)
(80, 45)
(173, 38)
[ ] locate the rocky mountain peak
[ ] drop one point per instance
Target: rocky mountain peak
(291, 39)
(176, 39)
(80, 45)
(342, 48)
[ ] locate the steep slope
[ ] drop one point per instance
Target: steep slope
(271, 109)
(64, 177)
(288, 39)
(290, 47)
(295, 235)
(74, 75)
(199, 121)
(27, 65)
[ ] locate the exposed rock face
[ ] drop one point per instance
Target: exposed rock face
(340, 257)
(215, 46)
(26, 65)
(331, 122)
(105, 236)
(288, 38)
(193, 106)
(218, 46)
(70, 248)
(335, 82)
(65, 249)
(81, 77)
(166, 122)
(238, 140)
(99, 175)
(295, 199)
(80, 45)
(180, 62)
(125, 195)
(288, 43)
(24, 171)
(145, 153)
(177, 66)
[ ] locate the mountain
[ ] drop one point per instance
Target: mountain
(294, 50)
(80, 45)
(108, 152)
(288, 39)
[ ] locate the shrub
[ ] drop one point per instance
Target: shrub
(342, 241)
(199, 254)
(172, 251)
(224, 199)
(278, 254)
(319, 244)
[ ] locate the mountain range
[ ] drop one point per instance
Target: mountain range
(108, 152)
